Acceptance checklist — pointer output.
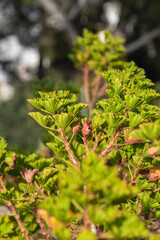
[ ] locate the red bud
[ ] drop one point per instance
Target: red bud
(86, 127)
(75, 128)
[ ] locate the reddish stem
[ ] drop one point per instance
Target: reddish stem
(85, 143)
(16, 215)
(109, 146)
(67, 147)
(134, 177)
(40, 190)
(39, 221)
(96, 143)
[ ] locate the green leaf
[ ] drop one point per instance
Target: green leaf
(43, 177)
(3, 146)
(58, 148)
(86, 235)
(118, 87)
(78, 149)
(138, 134)
(40, 118)
(132, 101)
(114, 121)
(116, 106)
(109, 117)
(147, 201)
(10, 158)
(6, 226)
(64, 120)
(6, 194)
(134, 119)
(150, 130)
(143, 184)
(24, 205)
(42, 163)
(76, 108)
(36, 102)
(52, 105)
(62, 233)
(157, 213)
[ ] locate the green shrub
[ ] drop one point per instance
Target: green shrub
(103, 180)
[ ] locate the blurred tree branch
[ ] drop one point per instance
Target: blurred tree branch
(76, 8)
(79, 5)
(142, 41)
(57, 19)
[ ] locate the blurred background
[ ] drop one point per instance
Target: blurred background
(36, 37)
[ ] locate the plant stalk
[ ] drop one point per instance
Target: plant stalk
(67, 147)
(15, 214)
(39, 221)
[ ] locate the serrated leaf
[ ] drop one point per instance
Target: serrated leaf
(58, 148)
(42, 163)
(143, 184)
(109, 117)
(150, 130)
(78, 149)
(134, 119)
(23, 205)
(36, 102)
(64, 120)
(76, 108)
(97, 121)
(147, 201)
(132, 101)
(116, 107)
(119, 120)
(53, 105)
(118, 87)
(10, 158)
(43, 175)
(138, 134)
(40, 118)
(6, 194)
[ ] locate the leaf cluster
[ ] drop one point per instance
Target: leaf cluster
(103, 179)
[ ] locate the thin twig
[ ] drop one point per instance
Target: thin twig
(67, 147)
(39, 221)
(155, 158)
(56, 137)
(15, 214)
(134, 177)
(96, 144)
(85, 143)
(40, 190)
(52, 129)
(109, 146)
(71, 138)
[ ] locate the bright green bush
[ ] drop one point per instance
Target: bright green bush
(103, 181)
